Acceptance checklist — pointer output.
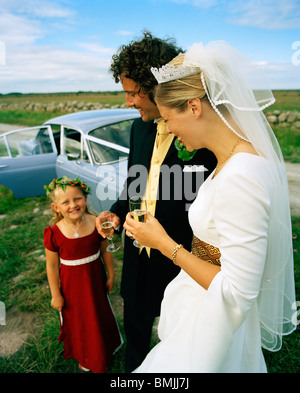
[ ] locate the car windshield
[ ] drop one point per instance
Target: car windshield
(105, 154)
(118, 133)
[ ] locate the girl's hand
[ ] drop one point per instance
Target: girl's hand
(57, 302)
(149, 234)
(110, 283)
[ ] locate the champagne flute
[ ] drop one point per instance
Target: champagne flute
(138, 209)
(108, 229)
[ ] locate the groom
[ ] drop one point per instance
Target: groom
(146, 273)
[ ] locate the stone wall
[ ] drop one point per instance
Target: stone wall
(284, 119)
(66, 107)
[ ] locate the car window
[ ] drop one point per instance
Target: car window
(44, 140)
(74, 144)
(104, 154)
(29, 142)
(118, 133)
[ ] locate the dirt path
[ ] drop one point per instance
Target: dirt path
(19, 327)
(9, 127)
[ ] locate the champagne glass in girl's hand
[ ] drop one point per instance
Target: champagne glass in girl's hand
(138, 209)
(107, 226)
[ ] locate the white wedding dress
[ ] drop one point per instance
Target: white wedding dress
(218, 330)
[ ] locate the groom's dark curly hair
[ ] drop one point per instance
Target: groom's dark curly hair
(135, 60)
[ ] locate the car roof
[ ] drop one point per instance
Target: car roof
(89, 120)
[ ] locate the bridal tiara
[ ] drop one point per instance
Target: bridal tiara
(169, 72)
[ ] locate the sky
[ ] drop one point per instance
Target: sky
(67, 45)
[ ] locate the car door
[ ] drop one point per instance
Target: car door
(109, 148)
(105, 177)
(98, 158)
(74, 161)
(72, 153)
(27, 160)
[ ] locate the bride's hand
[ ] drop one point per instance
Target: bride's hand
(150, 234)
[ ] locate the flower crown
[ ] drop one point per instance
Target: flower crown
(64, 181)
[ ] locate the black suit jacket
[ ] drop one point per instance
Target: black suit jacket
(148, 282)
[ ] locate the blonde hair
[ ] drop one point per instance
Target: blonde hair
(175, 94)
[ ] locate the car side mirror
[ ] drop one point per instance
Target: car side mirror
(73, 156)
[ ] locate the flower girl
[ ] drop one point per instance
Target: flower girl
(79, 283)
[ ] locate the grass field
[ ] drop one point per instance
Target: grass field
(286, 100)
(23, 282)
(24, 289)
(30, 118)
(110, 97)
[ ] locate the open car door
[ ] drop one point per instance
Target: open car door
(27, 160)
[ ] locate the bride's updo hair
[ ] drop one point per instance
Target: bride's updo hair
(175, 94)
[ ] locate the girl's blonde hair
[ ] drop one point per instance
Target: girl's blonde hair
(175, 94)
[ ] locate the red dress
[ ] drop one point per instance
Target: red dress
(89, 330)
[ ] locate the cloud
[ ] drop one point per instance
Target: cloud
(37, 8)
(23, 22)
(124, 32)
(17, 30)
(48, 69)
(280, 75)
(267, 14)
(34, 66)
(44, 52)
(198, 3)
(96, 48)
(47, 9)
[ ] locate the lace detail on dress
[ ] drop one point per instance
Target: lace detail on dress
(82, 261)
(206, 251)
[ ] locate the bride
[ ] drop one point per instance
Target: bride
(235, 291)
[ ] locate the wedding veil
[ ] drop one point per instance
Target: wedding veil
(231, 81)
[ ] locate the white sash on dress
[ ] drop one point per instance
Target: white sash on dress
(82, 261)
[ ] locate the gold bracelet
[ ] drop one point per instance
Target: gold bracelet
(174, 253)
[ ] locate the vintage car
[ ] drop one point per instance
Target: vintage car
(92, 145)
